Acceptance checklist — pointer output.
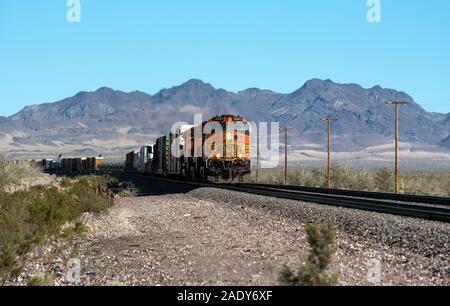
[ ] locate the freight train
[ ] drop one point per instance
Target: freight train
(218, 150)
(81, 164)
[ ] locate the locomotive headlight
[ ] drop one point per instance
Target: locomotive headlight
(229, 136)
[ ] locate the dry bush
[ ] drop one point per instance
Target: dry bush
(435, 184)
(346, 177)
(11, 173)
(30, 218)
(42, 280)
(313, 269)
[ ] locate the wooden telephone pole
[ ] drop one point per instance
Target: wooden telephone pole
(397, 169)
(286, 130)
(329, 120)
(257, 159)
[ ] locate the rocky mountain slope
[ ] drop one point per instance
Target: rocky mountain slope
(114, 121)
(445, 143)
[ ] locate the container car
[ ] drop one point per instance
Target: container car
(176, 150)
(98, 162)
(129, 162)
(161, 155)
(46, 164)
(145, 156)
(136, 160)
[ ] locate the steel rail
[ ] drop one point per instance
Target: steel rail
(361, 194)
(415, 210)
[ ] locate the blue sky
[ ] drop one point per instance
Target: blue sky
(234, 44)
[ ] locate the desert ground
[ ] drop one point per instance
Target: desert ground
(208, 236)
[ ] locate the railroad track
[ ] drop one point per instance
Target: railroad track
(445, 201)
(431, 208)
(407, 206)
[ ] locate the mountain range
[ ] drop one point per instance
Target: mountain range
(110, 121)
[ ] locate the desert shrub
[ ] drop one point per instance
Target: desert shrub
(91, 194)
(41, 280)
(65, 182)
(112, 182)
(346, 177)
(78, 229)
(384, 179)
(11, 173)
(435, 184)
(313, 270)
(29, 218)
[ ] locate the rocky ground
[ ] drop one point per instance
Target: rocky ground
(216, 237)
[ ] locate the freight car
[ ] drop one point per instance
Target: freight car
(129, 162)
(168, 156)
(145, 158)
(80, 164)
(140, 161)
(161, 156)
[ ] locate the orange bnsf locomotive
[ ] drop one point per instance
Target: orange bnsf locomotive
(218, 150)
(221, 153)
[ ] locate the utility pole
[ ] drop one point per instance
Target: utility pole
(397, 169)
(257, 158)
(329, 120)
(286, 130)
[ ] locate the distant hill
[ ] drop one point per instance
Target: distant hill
(446, 120)
(108, 120)
(445, 143)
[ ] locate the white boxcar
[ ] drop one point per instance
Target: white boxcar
(177, 149)
(145, 155)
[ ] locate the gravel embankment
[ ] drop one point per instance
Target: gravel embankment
(420, 236)
(217, 237)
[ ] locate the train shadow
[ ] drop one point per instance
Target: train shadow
(153, 186)
(141, 185)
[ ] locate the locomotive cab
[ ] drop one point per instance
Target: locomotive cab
(225, 151)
